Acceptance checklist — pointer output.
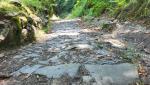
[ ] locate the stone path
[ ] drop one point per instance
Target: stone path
(69, 56)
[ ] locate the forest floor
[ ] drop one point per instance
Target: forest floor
(79, 53)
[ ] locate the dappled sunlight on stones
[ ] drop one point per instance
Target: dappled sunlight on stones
(116, 43)
(80, 47)
(61, 34)
(53, 50)
(90, 30)
(69, 20)
(73, 56)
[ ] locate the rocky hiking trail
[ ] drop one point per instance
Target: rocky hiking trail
(72, 54)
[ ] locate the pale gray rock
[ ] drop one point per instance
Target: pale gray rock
(2, 55)
(33, 55)
(18, 56)
(103, 52)
(121, 74)
(44, 62)
(79, 47)
(59, 70)
(27, 70)
(54, 59)
(87, 80)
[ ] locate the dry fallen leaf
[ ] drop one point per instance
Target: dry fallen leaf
(142, 70)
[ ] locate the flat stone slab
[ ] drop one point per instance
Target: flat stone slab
(59, 70)
(121, 74)
(118, 74)
(27, 69)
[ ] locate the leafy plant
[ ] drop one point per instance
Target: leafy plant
(95, 7)
(78, 8)
(40, 6)
(64, 7)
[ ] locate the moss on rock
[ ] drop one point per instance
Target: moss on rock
(21, 25)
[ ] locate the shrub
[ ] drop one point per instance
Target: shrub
(40, 6)
(78, 9)
(122, 9)
(92, 7)
(64, 7)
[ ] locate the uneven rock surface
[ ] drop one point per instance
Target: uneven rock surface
(69, 55)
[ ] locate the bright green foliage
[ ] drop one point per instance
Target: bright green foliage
(40, 5)
(122, 9)
(5, 7)
(79, 8)
(32, 3)
(121, 3)
(64, 7)
(99, 7)
(136, 9)
(91, 7)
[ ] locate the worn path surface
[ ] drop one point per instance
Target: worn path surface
(70, 55)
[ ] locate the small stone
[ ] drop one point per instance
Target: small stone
(2, 55)
(2, 37)
(24, 32)
(79, 47)
(103, 52)
(33, 55)
(44, 62)
(54, 50)
(18, 56)
(87, 80)
(2, 23)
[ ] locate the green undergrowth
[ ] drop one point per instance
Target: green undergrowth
(95, 7)
(79, 8)
(40, 6)
(64, 7)
(44, 9)
(135, 9)
(120, 9)
(6, 7)
(47, 29)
